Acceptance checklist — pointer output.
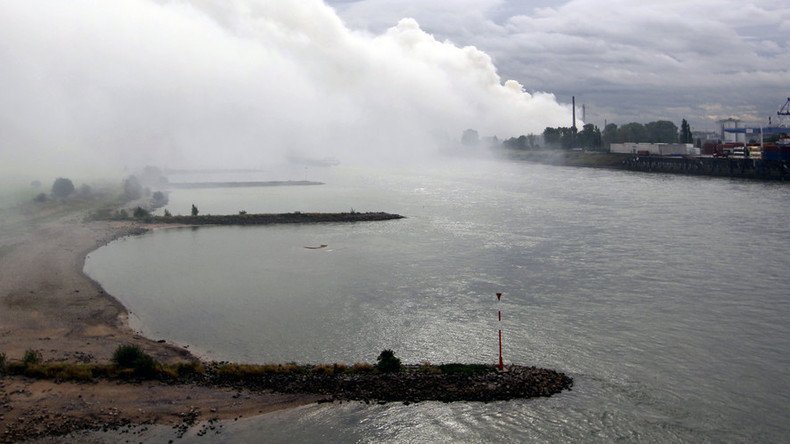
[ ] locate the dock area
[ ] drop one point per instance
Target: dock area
(762, 169)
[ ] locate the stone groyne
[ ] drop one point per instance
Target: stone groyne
(274, 183)
(271, 219)
(414, 383)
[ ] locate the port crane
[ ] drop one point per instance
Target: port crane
(784, 114)
(780, 127)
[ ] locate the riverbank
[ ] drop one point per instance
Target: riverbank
(752, 169)
(569, 158)
(47, 304)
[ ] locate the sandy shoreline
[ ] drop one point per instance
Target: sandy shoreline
(48, 304)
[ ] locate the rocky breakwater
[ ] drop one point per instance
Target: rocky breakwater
(413, 383)
(271, 219)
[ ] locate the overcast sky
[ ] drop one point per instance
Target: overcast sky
(101, 84)
(628, 60)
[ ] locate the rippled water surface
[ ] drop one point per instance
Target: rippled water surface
(665, 297)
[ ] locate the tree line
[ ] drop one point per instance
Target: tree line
(593, 138)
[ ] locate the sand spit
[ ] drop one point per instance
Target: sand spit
(47, 304)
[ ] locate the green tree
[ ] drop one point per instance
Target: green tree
(62, 188)
(132, 189)
(685, 132)
(470, 138)
(632, 132)
(562, 137)
(141, 212)
(661, 131)
(532, 141)
(609, 135)
(589, 137)
(159, 199)
(552, 137)
(521, 143)
(387, 362)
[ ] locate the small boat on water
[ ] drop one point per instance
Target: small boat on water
(317, 248)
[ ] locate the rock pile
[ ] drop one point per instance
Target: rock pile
(412, 384)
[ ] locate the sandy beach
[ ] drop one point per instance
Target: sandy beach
(47, 304)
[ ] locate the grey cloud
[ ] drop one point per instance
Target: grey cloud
(627, 60)
(237, 83)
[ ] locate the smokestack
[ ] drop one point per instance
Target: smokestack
(574, 113)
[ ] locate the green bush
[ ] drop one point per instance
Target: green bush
(141, 212)
(62, 188)
(387, 362)
(132, 357)
(31, 357)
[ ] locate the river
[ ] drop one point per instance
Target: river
(665, 297)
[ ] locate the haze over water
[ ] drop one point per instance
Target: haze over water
(665, 297)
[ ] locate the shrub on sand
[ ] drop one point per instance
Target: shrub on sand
(31, 357)
(132, 357)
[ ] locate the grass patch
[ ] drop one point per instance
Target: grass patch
(241, 371)
(60, 371)
(362, 367)
(56, 371)
(428, 368)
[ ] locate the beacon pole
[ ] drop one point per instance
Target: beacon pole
(501, 362)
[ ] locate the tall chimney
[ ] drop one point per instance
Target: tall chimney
(574, 113)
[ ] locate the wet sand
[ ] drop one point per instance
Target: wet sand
(49, 305)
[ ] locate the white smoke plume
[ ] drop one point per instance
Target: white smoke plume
(237, 83)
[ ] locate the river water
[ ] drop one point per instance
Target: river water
(665, 297)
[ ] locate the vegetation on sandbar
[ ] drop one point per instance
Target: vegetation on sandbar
(387, 381)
